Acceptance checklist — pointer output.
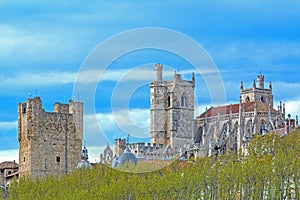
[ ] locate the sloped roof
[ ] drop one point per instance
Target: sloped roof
(8, 165)
(224, 110)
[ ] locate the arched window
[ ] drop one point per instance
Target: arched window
(249, 128)
(169, 101)
(183, 101)
(262, 99)
(247, 99)
(199, 136)
(263, 128)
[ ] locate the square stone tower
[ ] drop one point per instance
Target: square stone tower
(258, 92)
(49, 142)
(171, 110)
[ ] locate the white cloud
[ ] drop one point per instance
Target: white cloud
(8, 126)
(9, 155)
(103, 128)
(292, 106)
(30, 79)
(95, 151)
(87, 76)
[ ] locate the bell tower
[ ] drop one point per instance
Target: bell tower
(171, 110)
(258, 92)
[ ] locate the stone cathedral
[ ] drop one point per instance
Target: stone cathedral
(174, 130)
(231, 127)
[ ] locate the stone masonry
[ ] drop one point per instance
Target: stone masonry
(171, 110)
(49, 142)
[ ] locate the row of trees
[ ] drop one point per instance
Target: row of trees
(269, 171)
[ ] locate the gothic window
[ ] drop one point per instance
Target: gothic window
(247, 99)
(249, 128)
(263, 128)
(262, 99)
(199, 136)
(169, 101)
(183, 101)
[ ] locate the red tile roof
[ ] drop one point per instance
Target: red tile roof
(248, 107)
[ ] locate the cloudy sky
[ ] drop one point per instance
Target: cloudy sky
(47, 47)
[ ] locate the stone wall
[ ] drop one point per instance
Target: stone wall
(49, 142)
(171, 110)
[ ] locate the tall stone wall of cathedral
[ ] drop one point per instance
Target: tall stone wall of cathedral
(171, 110)
(231, 127)
(49, 142)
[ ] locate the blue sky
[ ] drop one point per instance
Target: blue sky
(44, 44)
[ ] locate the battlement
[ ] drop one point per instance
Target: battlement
(61, 108)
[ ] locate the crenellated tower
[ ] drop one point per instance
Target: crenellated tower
(258, 92)
(49, 142)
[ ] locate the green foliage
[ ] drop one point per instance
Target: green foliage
(270, 170)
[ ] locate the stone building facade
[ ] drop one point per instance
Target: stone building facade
(108, 155)
(175, 132)
(171, 110)
(231, 127)
(49, 142)
(171, 119)
(8, 169)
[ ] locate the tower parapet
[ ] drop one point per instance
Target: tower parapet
(258, 92)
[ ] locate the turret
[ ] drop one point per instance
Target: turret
(261, 81)
(158, 72)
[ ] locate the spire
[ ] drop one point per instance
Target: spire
(280, 107)
(84, 154)
(254, 84)
(241, 86)
(193, 77)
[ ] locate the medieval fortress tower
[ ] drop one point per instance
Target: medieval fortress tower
(49, 142)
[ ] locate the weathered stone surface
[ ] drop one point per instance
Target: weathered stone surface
(231, 127)
(171, 110)
(49, 142)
